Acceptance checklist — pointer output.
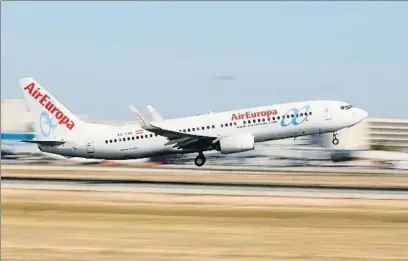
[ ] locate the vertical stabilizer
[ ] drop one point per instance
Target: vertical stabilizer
(51, 119)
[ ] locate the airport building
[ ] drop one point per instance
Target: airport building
(372, 132)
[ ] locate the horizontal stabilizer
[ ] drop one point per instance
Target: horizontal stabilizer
(45, 142)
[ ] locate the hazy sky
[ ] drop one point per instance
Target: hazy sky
(98, 57)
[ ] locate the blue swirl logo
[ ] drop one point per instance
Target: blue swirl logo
(46, 124)
(299, 116)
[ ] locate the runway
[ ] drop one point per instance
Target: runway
(155, 214)
(209, 168)
(214, 189)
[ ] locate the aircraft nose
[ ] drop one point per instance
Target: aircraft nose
(360, 114)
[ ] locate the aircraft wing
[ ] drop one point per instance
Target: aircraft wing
(181, 140)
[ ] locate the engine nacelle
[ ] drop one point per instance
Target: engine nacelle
(237, 143)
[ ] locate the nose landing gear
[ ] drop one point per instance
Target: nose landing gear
(200, 160)
(335, 140)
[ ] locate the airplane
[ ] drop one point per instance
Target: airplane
(61, 132)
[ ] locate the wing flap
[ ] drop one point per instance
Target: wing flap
(185, 143)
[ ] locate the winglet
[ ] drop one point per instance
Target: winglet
(155, 115)
(139, 116)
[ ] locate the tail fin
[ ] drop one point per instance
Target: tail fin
(52, 120)
(155, 115)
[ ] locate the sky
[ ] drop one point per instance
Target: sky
(186, 58)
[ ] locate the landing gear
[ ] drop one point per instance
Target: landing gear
(335, 140)
(200, 160)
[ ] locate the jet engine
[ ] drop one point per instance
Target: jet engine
(237, 143)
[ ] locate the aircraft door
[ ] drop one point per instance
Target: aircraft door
(327, 113)
(89, 147)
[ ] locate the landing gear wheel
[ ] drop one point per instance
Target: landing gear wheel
(200, 160)
(335, 140)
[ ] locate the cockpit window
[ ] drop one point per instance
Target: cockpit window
(346, 107)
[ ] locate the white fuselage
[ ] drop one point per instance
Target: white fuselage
(264, 123)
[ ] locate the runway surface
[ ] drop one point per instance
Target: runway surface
(204, 169)
(288, 191)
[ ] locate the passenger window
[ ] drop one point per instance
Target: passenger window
(222, 125)
(292, 115)
(137, 137)
(151, 135)
(208, 127)
(213, 126)
(235, 123)
(244, 122)
(273, 118)
(188, 130)
(128, 138)
(249, 121)
(230, 123)
(278, 117)
(259, 120)
(301, 114)
(141, 136)
(263, 119)
(133, 138)
(110, 141)
(193, 129)
(310, 113)
(106, 141)
(115, 140)
(288, 116)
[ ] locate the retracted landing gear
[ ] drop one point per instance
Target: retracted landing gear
(200, 160)
(335, 140)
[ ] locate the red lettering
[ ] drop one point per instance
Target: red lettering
(38, 95)
(59, 115)
(49, 106)
(70, 125)
(249, 115)
(44, 99)
(35, 93)
(64, 120)
(30, 88)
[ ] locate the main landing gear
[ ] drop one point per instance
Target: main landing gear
(200, 159)
(335, 140)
